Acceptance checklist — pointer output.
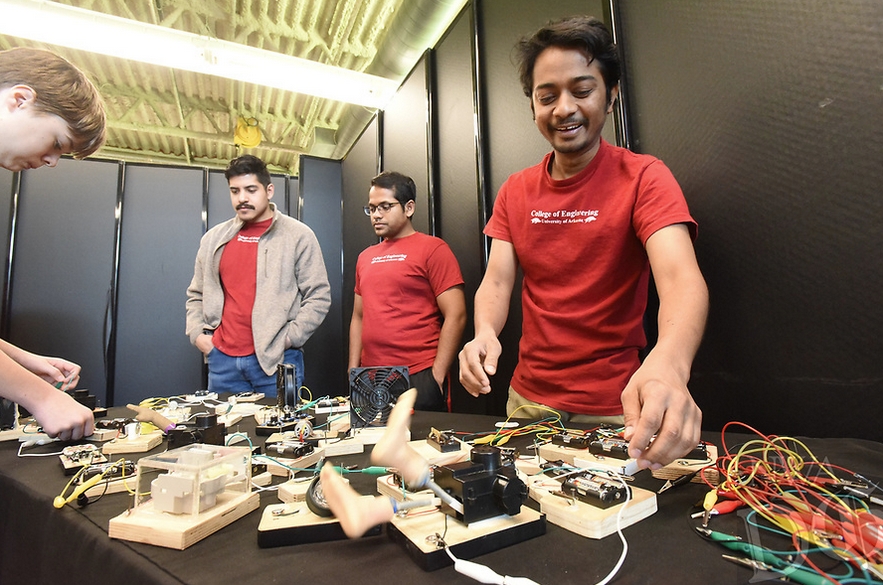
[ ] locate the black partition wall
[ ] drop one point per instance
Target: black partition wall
(769, 113)
(162, 218)
(405, 140)
(360, 165)
(102, 253)
(320, 196)
(63, 265)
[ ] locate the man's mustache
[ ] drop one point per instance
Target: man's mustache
(244, 206)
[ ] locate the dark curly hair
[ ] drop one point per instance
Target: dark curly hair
(401, 185)
(586, 34)
(248, 164)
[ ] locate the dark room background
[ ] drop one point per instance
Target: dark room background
(769, 113)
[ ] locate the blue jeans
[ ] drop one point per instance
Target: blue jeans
(244, 374)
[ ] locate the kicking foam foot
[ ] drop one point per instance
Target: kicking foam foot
(392, 450)
(356, 513)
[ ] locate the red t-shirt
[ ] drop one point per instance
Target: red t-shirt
(238, 269)
(399, 281)
(580, 244)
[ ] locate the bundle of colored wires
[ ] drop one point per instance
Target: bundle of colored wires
(787, 485)
(543, 429)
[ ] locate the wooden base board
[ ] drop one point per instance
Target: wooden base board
(13, 434)
(144, 524)
(333, 444)
(293, 490)
(282, 467)
(680, 467)
(253, 397)
(101, 435)
(582, 458)
(386, 487)
(140, 444)
(114, 486)
(71, 467)
(435, 457)
(416, 532)
(370, 435)
(593, 522)
(294, 523)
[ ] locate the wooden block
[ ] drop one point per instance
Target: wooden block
(229, 419)
(114, 486)
(368, 435)
(144, 524)
(553, 452)
(387, 487)
(294, 523)
(680, 467)
(339, 422)
(283, 467)
(293, 490)
(417, 532)
(262, 479)
(583, 459)
(250, 397)
(101, 435)
(340, 447)
(435, 457)
(140, 444)
(14, 434)
(590, 521)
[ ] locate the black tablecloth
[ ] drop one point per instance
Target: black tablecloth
(41, 544)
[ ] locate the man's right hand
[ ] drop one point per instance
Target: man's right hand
(204, 343)
(63, 417)
(478, 361)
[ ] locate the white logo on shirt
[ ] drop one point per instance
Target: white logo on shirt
(248, 239)
(563, 216)
(389, 258)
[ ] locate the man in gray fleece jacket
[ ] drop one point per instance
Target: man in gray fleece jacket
(259, 288)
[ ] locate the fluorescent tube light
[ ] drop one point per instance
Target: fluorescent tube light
(86, 30)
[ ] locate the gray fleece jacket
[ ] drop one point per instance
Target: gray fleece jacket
(293, 295)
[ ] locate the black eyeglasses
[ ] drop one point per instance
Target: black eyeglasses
(383, 208)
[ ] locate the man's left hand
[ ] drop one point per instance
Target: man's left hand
(656, 401)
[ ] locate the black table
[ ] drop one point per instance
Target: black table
(41, 544)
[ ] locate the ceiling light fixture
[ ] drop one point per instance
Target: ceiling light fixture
(86, 30)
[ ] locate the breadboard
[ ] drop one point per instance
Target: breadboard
(140, 444)
(144, 524)
(294, 523)
(416, 532)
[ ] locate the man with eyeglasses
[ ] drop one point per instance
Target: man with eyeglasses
(409, 307)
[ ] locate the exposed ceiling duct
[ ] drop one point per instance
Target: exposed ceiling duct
(166, 115)
(416, 26)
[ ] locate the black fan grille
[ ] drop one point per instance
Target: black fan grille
(373, 393)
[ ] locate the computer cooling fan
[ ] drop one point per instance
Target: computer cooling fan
(373, 393)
